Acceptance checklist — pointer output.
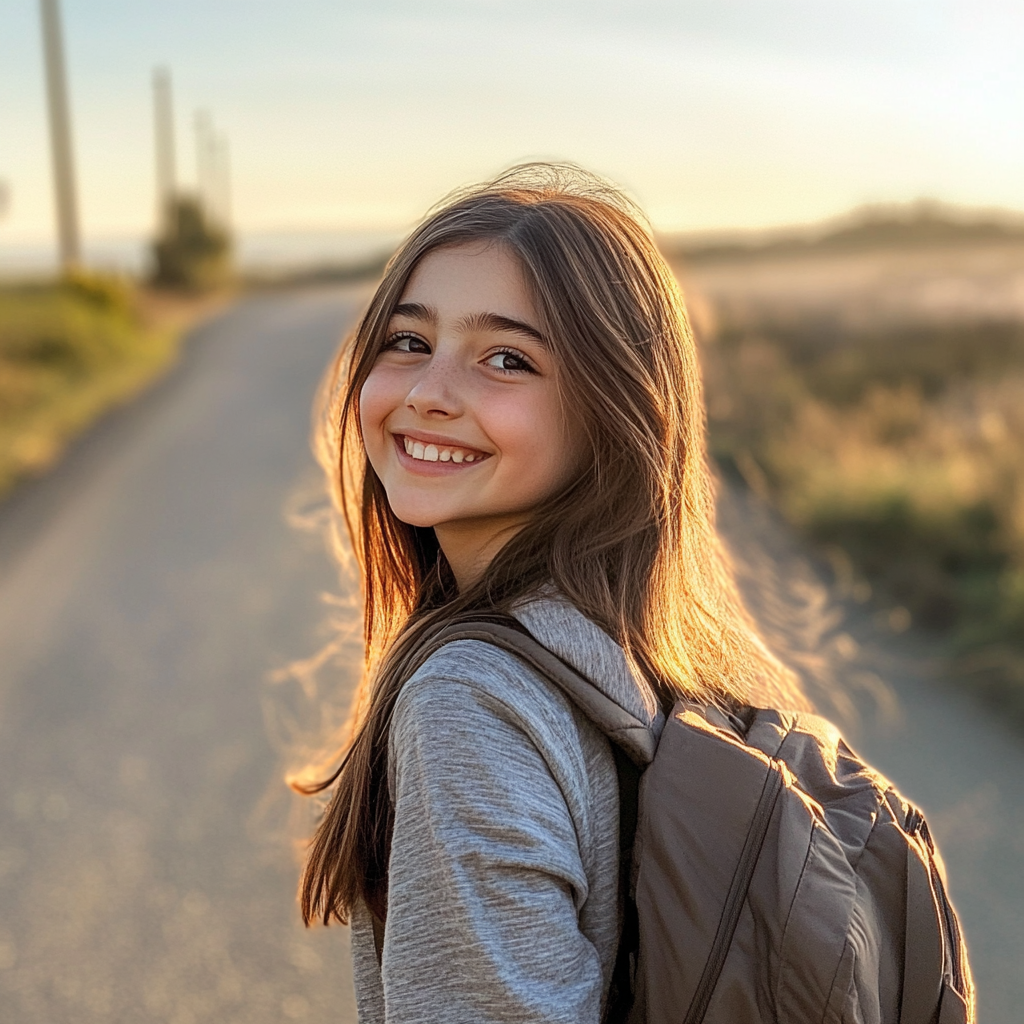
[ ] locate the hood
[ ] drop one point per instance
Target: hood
(563, 629)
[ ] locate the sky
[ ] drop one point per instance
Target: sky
(352, 115)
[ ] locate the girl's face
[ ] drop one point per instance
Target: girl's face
(461, 414)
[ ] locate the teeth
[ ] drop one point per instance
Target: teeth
(432, 453)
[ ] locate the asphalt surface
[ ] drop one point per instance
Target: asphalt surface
(152, 590)
(149, 589)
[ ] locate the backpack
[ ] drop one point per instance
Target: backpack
(772, 875)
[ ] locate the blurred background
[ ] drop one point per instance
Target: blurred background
(195, 200)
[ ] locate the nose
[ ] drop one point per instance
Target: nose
(435, 393)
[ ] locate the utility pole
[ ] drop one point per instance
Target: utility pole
(224, 182)
(206, 164)
(213, 171)
(60, 136)
(163, 120)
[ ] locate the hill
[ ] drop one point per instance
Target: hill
(921, 225)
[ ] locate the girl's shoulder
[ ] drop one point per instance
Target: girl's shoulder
(472, 687)
(473, 694)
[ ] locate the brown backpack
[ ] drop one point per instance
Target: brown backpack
(774, 876)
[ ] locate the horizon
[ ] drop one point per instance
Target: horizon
(327, 247)
(723, 117)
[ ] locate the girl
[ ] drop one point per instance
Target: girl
(516, 428)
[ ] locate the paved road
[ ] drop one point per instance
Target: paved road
(150, 587)
(147, 589)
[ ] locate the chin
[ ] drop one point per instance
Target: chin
(421, 521)
(414, 514)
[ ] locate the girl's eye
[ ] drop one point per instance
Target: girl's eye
(509, 361)
(403, 342)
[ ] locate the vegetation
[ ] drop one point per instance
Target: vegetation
(193, 252)
(897, 443)
(68, 352)
(920, 225)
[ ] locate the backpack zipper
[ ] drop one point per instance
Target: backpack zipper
(737, 895)
(952, 930)
(915, 824)
(948, 914)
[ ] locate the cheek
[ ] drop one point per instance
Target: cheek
(544, 446)
(376, 402)
(375, 406)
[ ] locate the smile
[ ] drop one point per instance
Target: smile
(421, 451)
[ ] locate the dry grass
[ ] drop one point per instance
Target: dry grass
(878, 400)
(69, 352)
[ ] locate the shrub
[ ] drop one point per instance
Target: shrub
(67, 351)
(193, 252)
(903, 450)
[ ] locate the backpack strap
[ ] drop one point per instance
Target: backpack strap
(936, 971)
(624, 730)
(378, 938)
(923, 949)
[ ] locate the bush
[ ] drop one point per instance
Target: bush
(70, 329)
(901, 451)
(193, 252)
(67, 351)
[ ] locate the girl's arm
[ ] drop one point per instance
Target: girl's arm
(486, 874)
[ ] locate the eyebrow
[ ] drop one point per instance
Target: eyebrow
(473, 322)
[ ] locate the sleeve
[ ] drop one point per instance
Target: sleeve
(485, 878)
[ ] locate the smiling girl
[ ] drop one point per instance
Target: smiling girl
(515, 429)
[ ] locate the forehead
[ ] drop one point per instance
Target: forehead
(476, 277)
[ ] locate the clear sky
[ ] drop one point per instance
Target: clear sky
(345, 114)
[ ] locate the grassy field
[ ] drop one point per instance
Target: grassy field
(70, 351)
(876, 396)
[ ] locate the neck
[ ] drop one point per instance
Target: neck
(470, 546)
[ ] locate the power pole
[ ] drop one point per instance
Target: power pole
(213, 171)
(60, 136)
(163, 120)
(224, 182)
(206, 164)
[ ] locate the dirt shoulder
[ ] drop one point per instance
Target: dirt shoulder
(69, 352)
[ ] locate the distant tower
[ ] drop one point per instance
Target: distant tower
(60, 136)
(206, 163)
(212, 170)
(224, 182)
(163, 121)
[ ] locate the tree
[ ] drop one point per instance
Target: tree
(192, 251)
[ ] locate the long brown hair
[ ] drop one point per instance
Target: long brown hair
(631, 542)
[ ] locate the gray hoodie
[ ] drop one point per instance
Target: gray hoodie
(503, 901)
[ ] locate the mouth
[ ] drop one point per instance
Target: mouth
(425, 452)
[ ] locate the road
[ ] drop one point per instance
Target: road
(152, 590)
(149, 588)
